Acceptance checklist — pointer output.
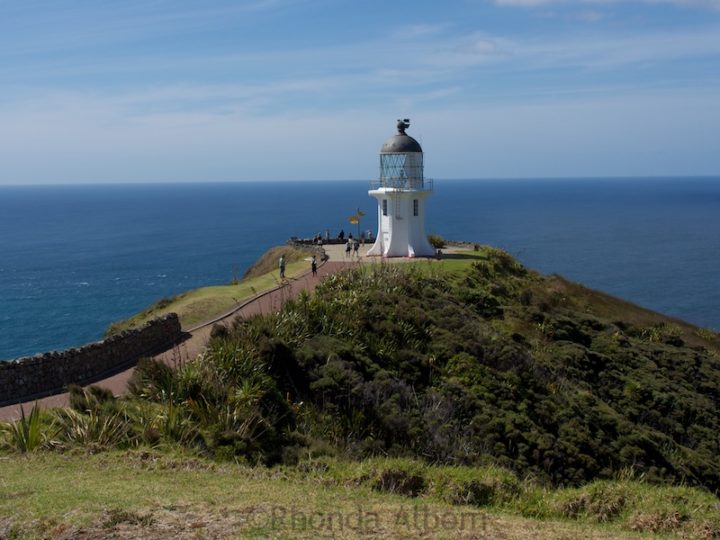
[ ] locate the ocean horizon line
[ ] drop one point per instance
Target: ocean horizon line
(357, 180)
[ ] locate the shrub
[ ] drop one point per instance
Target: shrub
(25, 434)
(152, 379)
(91, 398)
(436, 241)
(96, 429)
(403, 477)
(479, 486)
(400, 482)
(219, 331)
(602, 501)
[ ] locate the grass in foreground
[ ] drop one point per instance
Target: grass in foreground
(141, 494)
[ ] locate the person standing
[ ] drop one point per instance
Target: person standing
(313, 266)
(282, 266)
(348, 247)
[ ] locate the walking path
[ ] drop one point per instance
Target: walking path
(266, 302)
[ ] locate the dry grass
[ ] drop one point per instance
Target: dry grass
(148, 495)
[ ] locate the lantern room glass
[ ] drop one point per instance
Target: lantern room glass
(402, 170)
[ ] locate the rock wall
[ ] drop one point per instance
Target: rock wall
(46, 374)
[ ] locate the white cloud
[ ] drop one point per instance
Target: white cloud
(707, 4)
(643, 133)
(590, 16)
(526, 3)
(604, 52)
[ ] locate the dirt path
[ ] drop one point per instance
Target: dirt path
(263, 303)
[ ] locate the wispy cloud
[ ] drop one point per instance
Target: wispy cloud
(153, 102)
(87, 140)
(54, 27)
(323, 78)
(704, 4)
(602, 52)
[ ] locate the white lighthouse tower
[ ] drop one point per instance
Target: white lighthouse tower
(401, 193)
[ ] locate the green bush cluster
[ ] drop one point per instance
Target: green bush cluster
(494, 365)
(491, 368)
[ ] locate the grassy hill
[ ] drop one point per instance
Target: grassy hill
(200, 305)
(467, 383)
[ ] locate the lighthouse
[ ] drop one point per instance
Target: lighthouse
(401, 192)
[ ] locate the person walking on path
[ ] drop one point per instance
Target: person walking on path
(356, 247)
(313, 266)
(348, 247)
(282, 266)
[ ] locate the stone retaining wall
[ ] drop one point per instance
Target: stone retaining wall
(46, 374)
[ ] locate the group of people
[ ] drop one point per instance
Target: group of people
(352, 247)
(363, 235)
(319, 240)
(324, 238)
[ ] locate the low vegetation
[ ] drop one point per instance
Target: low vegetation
(169, 493)
(469, 381)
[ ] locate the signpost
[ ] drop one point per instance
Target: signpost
(355, 220)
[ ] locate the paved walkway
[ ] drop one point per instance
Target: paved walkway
(267, 302)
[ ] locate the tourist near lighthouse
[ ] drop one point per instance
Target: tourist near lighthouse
(401, 192)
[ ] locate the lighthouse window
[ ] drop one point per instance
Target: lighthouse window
(384, 207)
(415, 207)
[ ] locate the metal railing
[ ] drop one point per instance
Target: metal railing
(403, 184)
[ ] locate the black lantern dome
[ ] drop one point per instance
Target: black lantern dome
(401, 142)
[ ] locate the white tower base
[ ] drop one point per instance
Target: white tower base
(401, 223)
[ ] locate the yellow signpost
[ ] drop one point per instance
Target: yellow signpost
(355, 220)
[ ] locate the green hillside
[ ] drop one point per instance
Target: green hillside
(482, 383)
(490, 364)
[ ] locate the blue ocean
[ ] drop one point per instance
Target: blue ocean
(73, 259)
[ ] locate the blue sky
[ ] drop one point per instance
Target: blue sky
(160, 90)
